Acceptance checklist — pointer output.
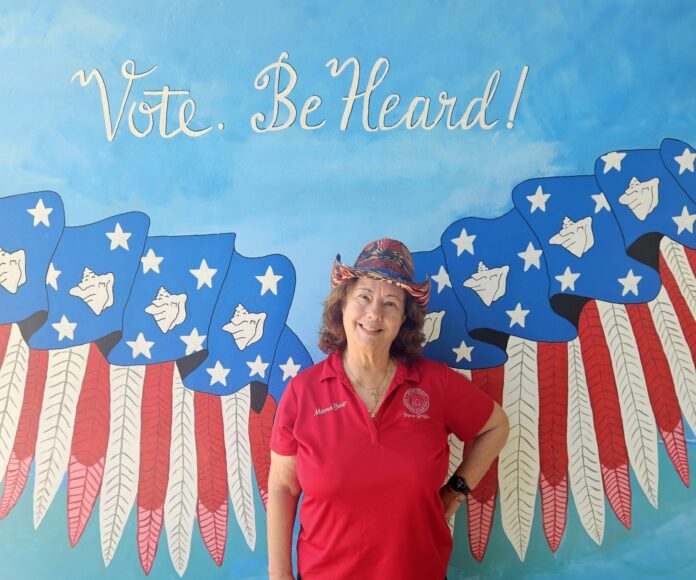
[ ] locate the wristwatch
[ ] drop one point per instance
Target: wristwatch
(459, 484)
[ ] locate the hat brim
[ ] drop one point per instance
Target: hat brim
(419, 291)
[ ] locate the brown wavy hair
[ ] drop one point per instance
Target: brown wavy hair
(407, 344)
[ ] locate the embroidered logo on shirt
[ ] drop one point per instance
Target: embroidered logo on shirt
(333, 407)
(417, 402)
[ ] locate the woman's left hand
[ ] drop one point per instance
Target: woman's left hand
(451, 500)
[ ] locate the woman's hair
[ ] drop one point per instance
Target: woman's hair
(407, 345)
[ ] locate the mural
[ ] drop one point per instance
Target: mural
(177, 183)
(593, 360)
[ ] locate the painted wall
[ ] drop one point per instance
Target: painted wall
(245, 146)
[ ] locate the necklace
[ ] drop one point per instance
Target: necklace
(376, 392)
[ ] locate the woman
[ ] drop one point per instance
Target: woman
(363, 435)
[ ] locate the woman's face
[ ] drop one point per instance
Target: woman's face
(373, 313)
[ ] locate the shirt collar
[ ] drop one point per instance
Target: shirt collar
(333, 368)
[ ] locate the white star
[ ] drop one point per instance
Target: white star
(630, 283)
(442, 278)
(52, 276)
(151, 261)
(141, 346)
(193, 341)
(517, 316)
(538, 200)
(464, 242)
(65, 328)
(269, 281)
(118, 238)
(567, 279)
(531, 257)
(258, 367)
(204, 275)
(612, 161)
(41, 213)
(685, 160)
(463, 351)
(290, 369)
(685, 221)
(600, 203)
(218, 374)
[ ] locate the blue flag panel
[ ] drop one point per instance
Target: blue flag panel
(679, 158)
(581, 241)
(173, 297)
(96, 264)
(445, 330)
(291, 358)
(494, 283)
(645, 197)
(30, 226)
(246, 325)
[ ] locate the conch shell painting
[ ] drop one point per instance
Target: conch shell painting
(245, 327)
(488, 283)
(432, 325)
(95, 290)
(168, 310)
(12, 270)
(576, 237)
(641, 197)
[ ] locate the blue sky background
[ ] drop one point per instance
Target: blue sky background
(602, 76)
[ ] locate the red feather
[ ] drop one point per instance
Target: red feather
(149, 529)
(27, 428)
(681, 308)
(4, 339)
(212, 505)
(15, 480)
(260, 426)
(552, 365)
(691, 255)
(663, 396)
(606, 412)
(89, 441)
(155, 441)
(480, 502)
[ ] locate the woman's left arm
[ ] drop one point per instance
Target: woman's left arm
(478, 457)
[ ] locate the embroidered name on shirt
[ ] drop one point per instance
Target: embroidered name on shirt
(417, 403)
(411, 416)
(334, 407)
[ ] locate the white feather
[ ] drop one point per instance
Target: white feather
(678, 263)
(583, 455)
(518, 466)
(182, 487)
(465, 372)
(456, 454)
(640, 429)
(66, 370)
(120, 483)
(13, 375)
(235, 416)
(678, 354)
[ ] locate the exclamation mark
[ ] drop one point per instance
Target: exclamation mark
(516, 100)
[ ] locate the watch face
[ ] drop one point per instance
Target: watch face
(459, 484)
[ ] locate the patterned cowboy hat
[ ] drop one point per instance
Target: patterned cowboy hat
(387, 260)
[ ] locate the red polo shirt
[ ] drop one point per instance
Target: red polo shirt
(371, 507)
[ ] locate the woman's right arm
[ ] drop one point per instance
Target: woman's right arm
(283, 494)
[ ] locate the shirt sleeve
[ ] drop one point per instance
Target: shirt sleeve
(283, 439)
(467, 407)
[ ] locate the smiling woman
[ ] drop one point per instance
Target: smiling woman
(372, 469)
(407, 342)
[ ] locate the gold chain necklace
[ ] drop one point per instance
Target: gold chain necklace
(376, 392)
